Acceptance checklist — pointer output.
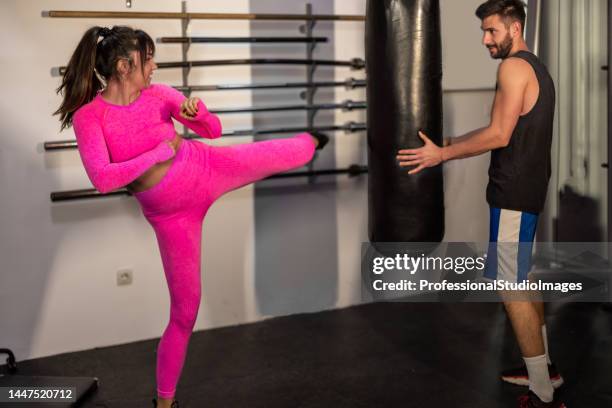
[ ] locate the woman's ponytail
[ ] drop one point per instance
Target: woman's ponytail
(80, 82)
(95, 61)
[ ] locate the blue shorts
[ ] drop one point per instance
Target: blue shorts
(510, 244)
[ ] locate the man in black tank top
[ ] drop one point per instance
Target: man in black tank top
(519, 138)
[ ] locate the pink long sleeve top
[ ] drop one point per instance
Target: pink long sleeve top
(119, 143)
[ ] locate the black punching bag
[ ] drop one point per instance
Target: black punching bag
(404, 90)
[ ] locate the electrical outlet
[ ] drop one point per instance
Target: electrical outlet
(125, 277)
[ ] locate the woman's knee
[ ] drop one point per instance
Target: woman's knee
(185, 312)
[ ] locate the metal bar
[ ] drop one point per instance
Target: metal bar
(468, 90)
(350, 83)
(356, 63)
(538, 27)
(310, 73)
(247, 40)
(347, 105)
(353, 171)
(534, 17)
(308, 29)
(196, 16)
(349, 127)
(609, 121)
(84, 193)
(185, 55)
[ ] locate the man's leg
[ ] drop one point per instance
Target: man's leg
(527, 327)
(539, 306)
(514, 232)
(526, 324)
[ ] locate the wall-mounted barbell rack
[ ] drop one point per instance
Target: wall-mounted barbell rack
(186, 41)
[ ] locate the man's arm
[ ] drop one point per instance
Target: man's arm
(460, 139)
(512, 81)
(512, 78)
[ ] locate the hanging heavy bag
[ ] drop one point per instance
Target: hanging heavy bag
(404, 91)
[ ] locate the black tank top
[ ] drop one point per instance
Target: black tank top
(519, 173)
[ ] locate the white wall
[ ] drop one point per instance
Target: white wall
(351, 148)
(57, 282)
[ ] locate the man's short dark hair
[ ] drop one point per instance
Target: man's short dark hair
(509, 11)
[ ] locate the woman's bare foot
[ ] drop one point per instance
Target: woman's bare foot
(164, 402)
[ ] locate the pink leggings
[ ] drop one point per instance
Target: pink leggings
(176, 207)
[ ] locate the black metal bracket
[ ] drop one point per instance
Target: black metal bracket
(308, 29)
(11, 363)
(184, 54)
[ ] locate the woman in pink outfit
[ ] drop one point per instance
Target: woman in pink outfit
(126, 138)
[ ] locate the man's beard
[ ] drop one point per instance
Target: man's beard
(504, 48)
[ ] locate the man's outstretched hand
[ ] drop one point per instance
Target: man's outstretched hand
(430, 155)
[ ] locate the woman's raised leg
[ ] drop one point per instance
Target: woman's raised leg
(235, 166)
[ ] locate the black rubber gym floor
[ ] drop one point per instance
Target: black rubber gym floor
(374, 355)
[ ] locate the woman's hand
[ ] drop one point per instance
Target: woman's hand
(189, 108)
(175, 143)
